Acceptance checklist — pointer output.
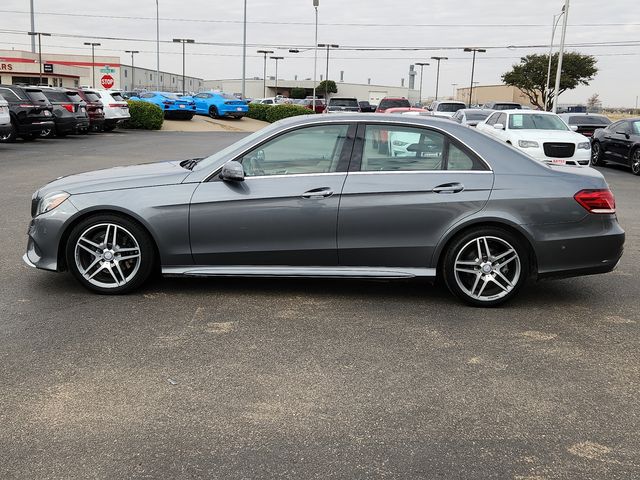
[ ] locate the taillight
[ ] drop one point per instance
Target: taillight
(68, 107)
(597, 201)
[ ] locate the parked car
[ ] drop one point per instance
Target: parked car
(542, 135)
(265, 101)
(471, 116)
(481, 215)
(217, 105)
(342, 105)
(69, 112)
(366, 107)
(173, 105)
(308, 103)
(618, 143)
(502, 106)
(446, 108)
(94, 108)
(392, 102)
(409, 111)
(586, 123)
(30, 112)
(115, 108)
(5, 118)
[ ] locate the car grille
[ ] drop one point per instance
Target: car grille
(559, 150)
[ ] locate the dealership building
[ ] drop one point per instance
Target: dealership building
(61, 70)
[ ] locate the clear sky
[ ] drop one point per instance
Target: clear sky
(441, 25)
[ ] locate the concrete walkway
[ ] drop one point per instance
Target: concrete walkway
(200, 123)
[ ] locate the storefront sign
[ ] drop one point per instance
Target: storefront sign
(47, 68)
(6, 67)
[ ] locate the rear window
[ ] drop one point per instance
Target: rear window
(74, 96)
(507, 106)
(589, 120)
(56, 96)
(399, 102)
(170, 96)
(343, 102)
(450, 107)
(477, 115)
(117, 96)
(92, 97)
(38, 96)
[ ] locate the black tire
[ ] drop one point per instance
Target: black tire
(108, 128)
(464, 272)
(29, 137)
(635, 161)
(130, 260)
(597, 155)
(213, 112)
(189, 117)
(12, 135)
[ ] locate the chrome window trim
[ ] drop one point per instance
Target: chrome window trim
(296, 175)
(387, 172)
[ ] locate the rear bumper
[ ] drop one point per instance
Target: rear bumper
(36, 126)
(66, 124)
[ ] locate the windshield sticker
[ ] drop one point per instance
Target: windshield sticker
(517, 121)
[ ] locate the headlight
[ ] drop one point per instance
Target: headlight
(584, 146)
(527, 144)
(51, 201)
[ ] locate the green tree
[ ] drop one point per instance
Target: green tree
(325, 87)
(298, 92)
(530, 75)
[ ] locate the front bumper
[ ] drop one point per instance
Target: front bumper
(581, 157)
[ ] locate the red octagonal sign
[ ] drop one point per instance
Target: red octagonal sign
(107, 81)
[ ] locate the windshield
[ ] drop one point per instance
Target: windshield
(343, 102)
(450, 107)
(535, 121)
(477, 115)
(400, 102)
(589, 120)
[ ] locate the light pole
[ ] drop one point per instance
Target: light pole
(556, 19)
(33, 27)
(39, 34)
(132, 52)
(473, 68)
(421, 65)
(556, 92)
(93, 62)
(157, 45)
(316, 4)
(264, 84)
(476, 92)
(454, 96)
(276, 59)
(438, 74)
(244, 51)
(328, 46)
(183, 41)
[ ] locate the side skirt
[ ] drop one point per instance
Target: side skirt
(288, 271)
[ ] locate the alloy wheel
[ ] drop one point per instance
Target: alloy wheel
(635, 162)
(107, 255)
(595, 154)
(487, 268)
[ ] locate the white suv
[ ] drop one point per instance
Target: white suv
(5, 118)
(446, 108)
(116, 108)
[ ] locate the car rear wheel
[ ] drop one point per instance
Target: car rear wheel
(635, 161)
(596, 155)
(11, 136)
(213, 112)
(485, 267)
(110, 254)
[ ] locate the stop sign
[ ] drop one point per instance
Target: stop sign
(107, 81)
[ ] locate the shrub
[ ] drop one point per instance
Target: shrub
(258, 111)
(278, 112)
(144, 115)
(298, 92)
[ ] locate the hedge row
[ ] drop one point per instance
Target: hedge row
(273, 113)
(144, 116)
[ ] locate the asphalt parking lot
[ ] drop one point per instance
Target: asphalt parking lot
(244, 379)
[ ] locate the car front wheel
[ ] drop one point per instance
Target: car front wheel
(596, 155)
(213, 112)
(110, 254)
(635, 161)
(485, 267)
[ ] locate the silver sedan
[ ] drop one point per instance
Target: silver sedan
(364, 196)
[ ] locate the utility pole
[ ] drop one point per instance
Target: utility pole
(133, 69)
(244, 51)
(183, 41)
(438, 74)
(276, 59)
(39, 34)
(421, 65)
(157, 45)
(264, 84)
(553, 34)
(473, 67)
(33, 28)
(316, 4)
(328, 46)
(454, 85)
(561, 56)
(93, 61)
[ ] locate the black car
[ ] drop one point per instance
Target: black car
(586, 123)
(502, 106)
(30, 111)
(69, 111)
(366, 107)
(618, 143)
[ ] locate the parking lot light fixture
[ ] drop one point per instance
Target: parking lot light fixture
(276, 59)
(40, 35)
(556, 20)
(421, 65)
(132, 52)
(264, 84)
(183, 41)
(93, 61)
(560, 56)
(438, 59)
(473, 68)
(328, 46)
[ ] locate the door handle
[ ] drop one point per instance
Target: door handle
(316, 193)
(449, 188)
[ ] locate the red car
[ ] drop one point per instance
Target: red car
(308, 103)
(392, 102)
(94, 108)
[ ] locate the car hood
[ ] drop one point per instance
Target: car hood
(118, 178)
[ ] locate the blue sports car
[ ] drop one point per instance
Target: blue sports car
(218, 104)
(173, 105)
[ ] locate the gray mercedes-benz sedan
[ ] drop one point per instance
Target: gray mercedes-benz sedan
(365, 196)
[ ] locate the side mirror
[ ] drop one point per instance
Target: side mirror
(574, 128)
(498, 126)
(232, 172)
